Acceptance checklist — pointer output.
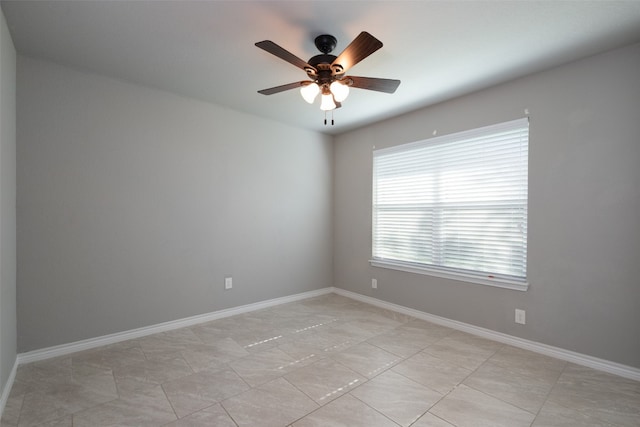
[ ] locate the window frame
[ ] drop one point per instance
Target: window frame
(471, 276)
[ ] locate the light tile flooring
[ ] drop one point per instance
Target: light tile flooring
(325, 361)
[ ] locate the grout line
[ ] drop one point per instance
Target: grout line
(551, 391)
(228, 414)
(170, 403)
(384, 415)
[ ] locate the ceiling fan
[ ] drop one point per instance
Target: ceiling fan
(327, 72)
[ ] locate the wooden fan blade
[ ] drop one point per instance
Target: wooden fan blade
(278, 89)
(361, 47)
(380, 85)
(284, 54)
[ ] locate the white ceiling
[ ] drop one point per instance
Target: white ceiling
(205, 49)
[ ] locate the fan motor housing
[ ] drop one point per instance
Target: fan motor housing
(319, 61)
(322, 63)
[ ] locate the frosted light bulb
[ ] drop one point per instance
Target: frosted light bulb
(327, 103)
(340, 91)
(309, 92)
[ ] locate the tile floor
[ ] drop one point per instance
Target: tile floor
(325, 361)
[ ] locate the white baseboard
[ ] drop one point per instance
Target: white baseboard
(64, 349)
(7, 387)
(547, 350)
(559, 353)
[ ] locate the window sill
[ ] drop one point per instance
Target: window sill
(488, 281)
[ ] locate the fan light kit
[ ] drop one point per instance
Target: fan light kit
(327, 72)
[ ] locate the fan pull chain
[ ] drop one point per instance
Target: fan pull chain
(325, 118)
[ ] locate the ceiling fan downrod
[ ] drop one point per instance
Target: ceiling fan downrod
(325, 43)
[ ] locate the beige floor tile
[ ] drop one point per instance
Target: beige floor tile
(598, 395)
(43, 407)
(411, 337)
(325, 380)
(146, 407)
(214, 355)
(312, 322)
(397, 397)
(168, 345)
(53, 371)
(528, 363)
(210, 332)
(110, 357)
(182, 336)
(132, 377)
(433, 329)
(465, 406)
(346, 411)
(305, 351)
(352, 330)
(232, 323)
(435, 373)
(264, 366)
(277, 404)
(101, 383)
(464, 350)
(366, 359)
(69, 395)
(66, 421)
(371, 325)
(255, 342)
(430, 420)
(12, 409)
(158, 347)
(213, 416)
(20, 388)
(285, 329)
(335, 338)
(523, 391)
(200, 390)
(377, 319)
(554, 415)
(402, 342)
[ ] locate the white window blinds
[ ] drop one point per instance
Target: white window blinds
(456, 203)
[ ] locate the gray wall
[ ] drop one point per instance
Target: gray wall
(7, 204)
(584, 204)
(133, 204)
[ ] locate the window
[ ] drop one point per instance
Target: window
(455, 206)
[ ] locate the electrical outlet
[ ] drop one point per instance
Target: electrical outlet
(374, 283)
(520, 316)
(228, 283)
